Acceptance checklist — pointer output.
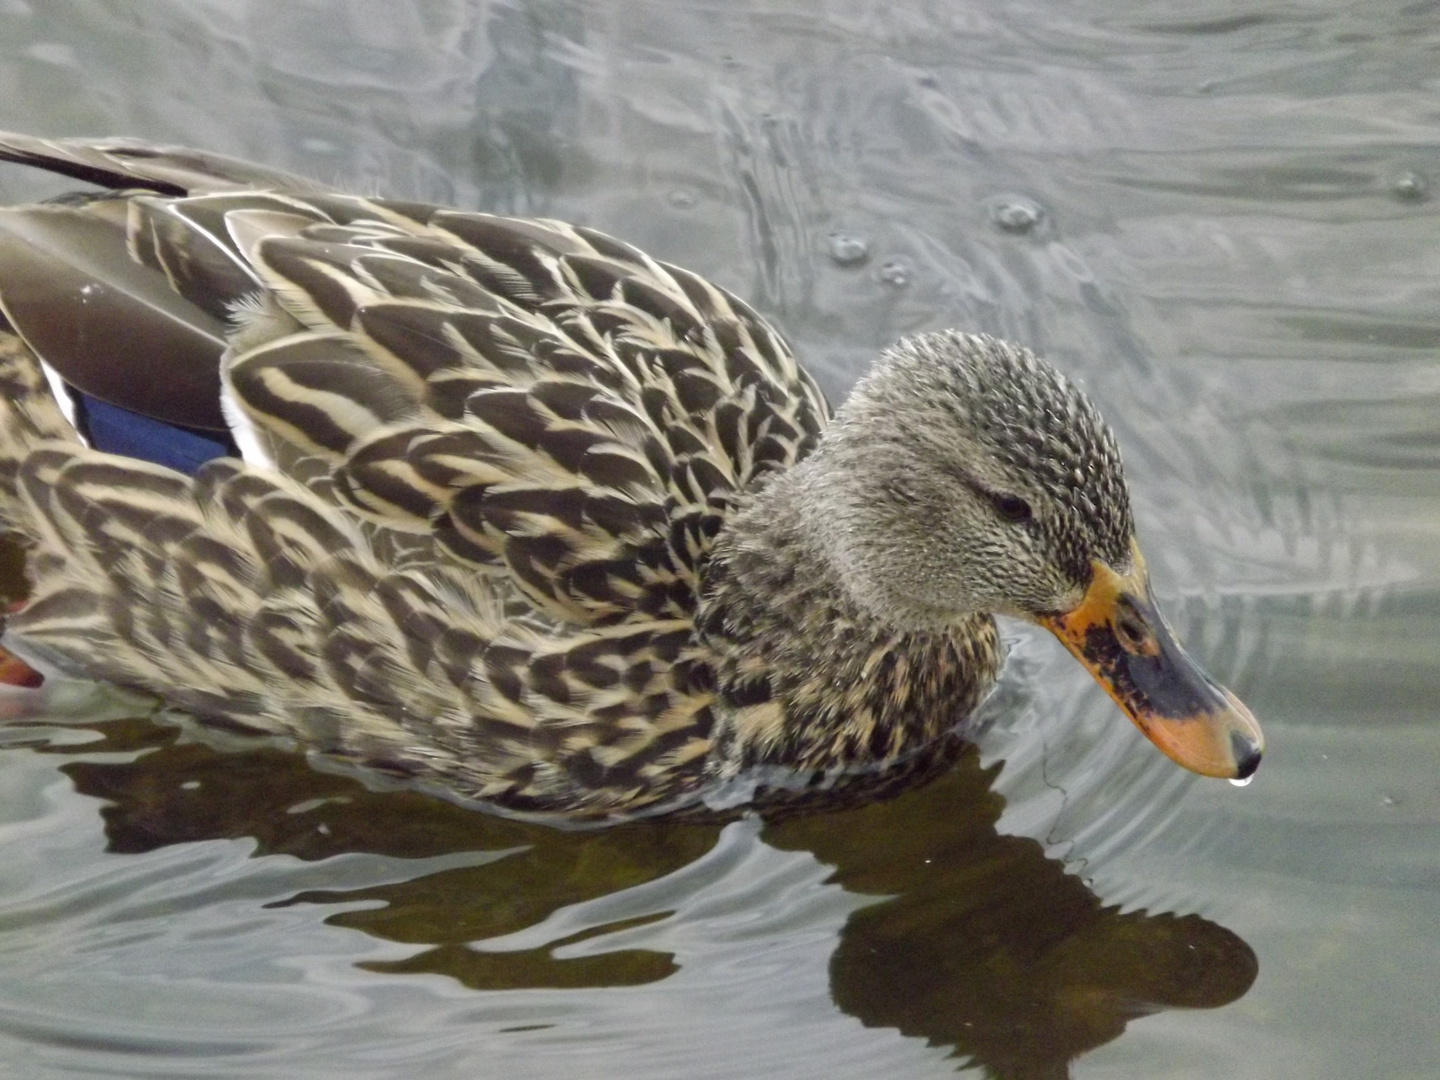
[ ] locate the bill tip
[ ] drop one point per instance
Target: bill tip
(1247, 757)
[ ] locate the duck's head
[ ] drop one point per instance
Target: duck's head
(966, 475)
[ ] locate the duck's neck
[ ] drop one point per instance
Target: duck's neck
(808, 678)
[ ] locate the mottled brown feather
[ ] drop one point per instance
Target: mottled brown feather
(498, 554)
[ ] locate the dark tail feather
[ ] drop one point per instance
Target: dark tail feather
(129, 163)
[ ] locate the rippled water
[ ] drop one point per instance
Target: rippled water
(1222, 219)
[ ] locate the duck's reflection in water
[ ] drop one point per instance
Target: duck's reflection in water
(988, 946)
(983, 944)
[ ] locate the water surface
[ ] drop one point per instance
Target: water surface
(1221, 221)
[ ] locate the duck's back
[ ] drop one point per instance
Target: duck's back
(502, 449)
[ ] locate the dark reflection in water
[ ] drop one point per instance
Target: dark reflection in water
(982, 944)
(988, 946)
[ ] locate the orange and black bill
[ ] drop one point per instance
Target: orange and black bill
(1120, 636)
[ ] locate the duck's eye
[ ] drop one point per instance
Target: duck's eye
(1013, 509)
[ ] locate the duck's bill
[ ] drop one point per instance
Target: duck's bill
(1120, 636)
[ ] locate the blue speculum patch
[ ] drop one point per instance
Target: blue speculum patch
(120, 431)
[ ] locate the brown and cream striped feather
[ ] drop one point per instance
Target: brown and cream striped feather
(502, 452)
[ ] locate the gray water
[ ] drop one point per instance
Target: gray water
(1221, 218)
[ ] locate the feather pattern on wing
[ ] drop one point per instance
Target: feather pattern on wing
(533, 395)
(508, 446)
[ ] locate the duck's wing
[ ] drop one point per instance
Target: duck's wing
(523, 394)
(524, 397)
(529, 393)
(138, 326)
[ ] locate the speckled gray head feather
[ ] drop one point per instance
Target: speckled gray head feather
(1039, 423)
(966, 474)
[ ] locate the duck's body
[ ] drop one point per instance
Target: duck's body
(524, 514)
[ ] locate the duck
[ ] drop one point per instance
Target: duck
(514, 512)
